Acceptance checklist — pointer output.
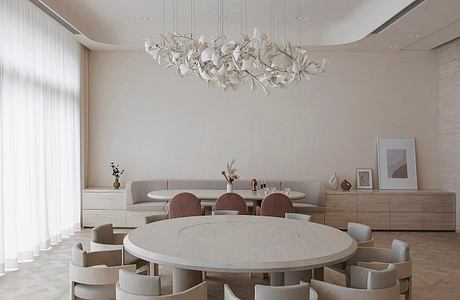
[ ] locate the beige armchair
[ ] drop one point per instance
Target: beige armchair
(379, 259)
(225, 212)
(301, 291)
(366, 284)
(93, 275)
(140, 287)
(297, 216)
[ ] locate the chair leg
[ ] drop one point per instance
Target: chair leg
(408, 294)
(153, 269)
(277, 279)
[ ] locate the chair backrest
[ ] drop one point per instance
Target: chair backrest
(293, 292)
(228, 294)
(184, 205)
(136, 284)
(198, 292)
(224, 212)
(359, 232)
(400, 251)
(314, 191)
(301, 217)
(231, 201)
(102, 234)
(276, 205)
(79, 256)
(383, 279)
(136, 191)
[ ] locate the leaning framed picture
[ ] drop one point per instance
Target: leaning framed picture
(364, 179)
(396, 162)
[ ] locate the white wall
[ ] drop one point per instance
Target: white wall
(159, 126)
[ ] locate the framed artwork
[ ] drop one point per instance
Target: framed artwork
(364, 179)
(397, 165)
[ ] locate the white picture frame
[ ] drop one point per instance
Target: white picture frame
(397, 163)
(364, 179)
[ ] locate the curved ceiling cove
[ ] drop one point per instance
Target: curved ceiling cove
(321, 22)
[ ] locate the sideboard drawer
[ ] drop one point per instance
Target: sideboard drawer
(103, 200)
(375, 220)
(438, 221)
(442, 203)
(406, 221)
(339, 219)
(374, 203)
(406, 203)
(341, 202)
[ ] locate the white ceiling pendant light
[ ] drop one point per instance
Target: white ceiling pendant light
(257, 59)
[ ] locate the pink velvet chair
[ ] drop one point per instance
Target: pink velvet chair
(276, 205)
(184, 205)
(231, 201)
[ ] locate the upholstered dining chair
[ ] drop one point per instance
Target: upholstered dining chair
(231, 201)
(366, 284)
(139, 287)
(297, 216)
(155, 218)
(301, 291)
(225, 212)
(103, 238)
(276, 205)
(379, 258)
(184, 205)
(93, 275)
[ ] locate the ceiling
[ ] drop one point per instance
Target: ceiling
(324, 24)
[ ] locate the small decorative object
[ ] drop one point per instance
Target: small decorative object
(116, 173)
(364, 179)
(334, 182)
(230, 175)
(254, 185)
(346, 186)
(397, 165)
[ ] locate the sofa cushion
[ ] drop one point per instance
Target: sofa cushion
(136, 191)
(314, 191)
(151, 205)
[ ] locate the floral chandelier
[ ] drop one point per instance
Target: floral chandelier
(228, 64)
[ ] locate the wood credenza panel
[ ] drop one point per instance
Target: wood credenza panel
(438, 221)
(317, 217)
(406, 203)
(103, 200)
(406, 221)
(375, 220)
(339, 219)
(442, 203)
(373, 203)
(341, 202)
(97, 217)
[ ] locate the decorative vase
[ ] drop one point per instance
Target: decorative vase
(334, 182)
(229, 188)
(346, 186)
(116, 184)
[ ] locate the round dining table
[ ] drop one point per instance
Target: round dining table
(237, 244)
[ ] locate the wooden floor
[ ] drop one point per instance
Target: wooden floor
(436, 267)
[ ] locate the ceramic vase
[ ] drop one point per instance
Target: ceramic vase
(334, 182)
(229, 188)
(116, 184)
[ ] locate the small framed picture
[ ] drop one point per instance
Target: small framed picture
(364, 179)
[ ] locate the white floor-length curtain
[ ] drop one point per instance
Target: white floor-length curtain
(40, 67)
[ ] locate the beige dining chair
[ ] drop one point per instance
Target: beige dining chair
(301, 291)
(379, 258)
(297, 216)
(140, 287)
(225, 212)
(231, 201)
(366, 284)
(103, 239)
(184, 205)
(93, 275)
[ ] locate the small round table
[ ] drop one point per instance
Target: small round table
(237, 244)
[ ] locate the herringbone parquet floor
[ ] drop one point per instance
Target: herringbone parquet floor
(436, 269)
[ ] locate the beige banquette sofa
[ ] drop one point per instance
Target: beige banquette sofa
(137, 190)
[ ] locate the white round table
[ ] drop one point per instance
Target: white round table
(237, 244)
(167, 195)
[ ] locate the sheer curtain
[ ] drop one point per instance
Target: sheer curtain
(40, 67)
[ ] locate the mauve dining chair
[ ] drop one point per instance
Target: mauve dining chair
(231, 201)
(184, 205)
(276, 205)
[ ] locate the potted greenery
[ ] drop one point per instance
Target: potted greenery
(230, 175)
(116, 173)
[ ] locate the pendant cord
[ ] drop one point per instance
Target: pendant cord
(163, 18)
(192, 17)
(299, 35)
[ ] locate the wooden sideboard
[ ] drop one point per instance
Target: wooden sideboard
(391, 209)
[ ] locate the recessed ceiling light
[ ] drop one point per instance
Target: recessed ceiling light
(414, 35)
(393, 47)
(227, 18)
(302, 18)
(145, 18)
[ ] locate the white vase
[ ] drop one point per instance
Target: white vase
(229, 188)
(334, 182)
